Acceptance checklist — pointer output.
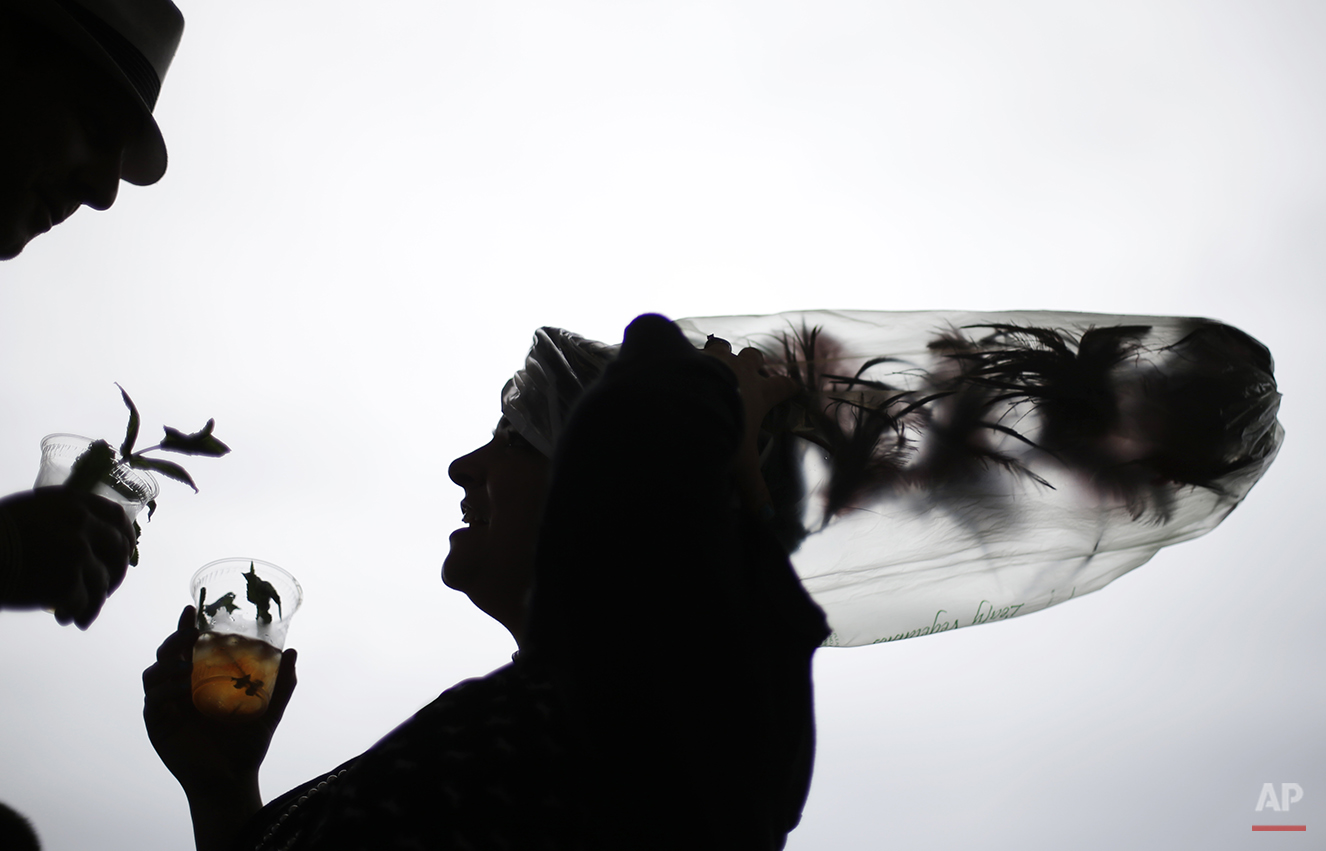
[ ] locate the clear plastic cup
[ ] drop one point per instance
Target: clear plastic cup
(131, 488)
(244, 609)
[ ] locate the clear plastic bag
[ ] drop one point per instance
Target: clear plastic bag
(945, 469)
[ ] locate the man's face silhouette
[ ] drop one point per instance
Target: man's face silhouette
(67, 127)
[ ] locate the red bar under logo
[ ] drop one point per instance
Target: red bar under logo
(1279, 827)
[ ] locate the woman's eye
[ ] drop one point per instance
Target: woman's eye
(513, 438)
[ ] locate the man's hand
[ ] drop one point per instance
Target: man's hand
(74, 548)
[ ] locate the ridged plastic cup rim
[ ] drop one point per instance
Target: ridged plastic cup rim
(150, 487)
(267, 565)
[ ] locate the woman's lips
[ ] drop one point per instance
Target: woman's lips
(470, 516)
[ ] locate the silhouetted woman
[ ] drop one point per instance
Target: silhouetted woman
(661, 695)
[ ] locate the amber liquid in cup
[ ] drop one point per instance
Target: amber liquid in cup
(233, 675)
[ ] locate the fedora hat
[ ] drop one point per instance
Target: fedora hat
(133, 41)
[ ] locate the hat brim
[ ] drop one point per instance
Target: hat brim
(144, 160)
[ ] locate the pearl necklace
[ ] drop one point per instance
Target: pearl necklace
(271, 831)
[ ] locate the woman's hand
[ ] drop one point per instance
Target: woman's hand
(216, 763)
(760, 390)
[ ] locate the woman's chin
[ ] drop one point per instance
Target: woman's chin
(459, 567)
(449, 570)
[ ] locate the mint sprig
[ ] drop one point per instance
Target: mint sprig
(226, 602)
(261, 593)
(201, 442)
(97, 463)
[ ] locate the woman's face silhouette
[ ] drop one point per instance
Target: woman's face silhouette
(492, 555)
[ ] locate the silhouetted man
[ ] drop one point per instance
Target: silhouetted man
(78, 82)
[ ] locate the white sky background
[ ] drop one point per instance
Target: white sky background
(370, 207)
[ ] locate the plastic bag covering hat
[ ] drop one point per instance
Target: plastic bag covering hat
(538, 400)
(945, 469)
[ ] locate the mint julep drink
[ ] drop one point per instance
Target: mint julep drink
(244, 610)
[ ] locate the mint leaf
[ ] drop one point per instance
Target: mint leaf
(198, 443)
(169, 469)
(99, 464)
(227, 602)
(250, 686)
(130, 433)
(261, 594)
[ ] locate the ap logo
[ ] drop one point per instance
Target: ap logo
(1290, 793)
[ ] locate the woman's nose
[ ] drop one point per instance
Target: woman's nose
(465, 469)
